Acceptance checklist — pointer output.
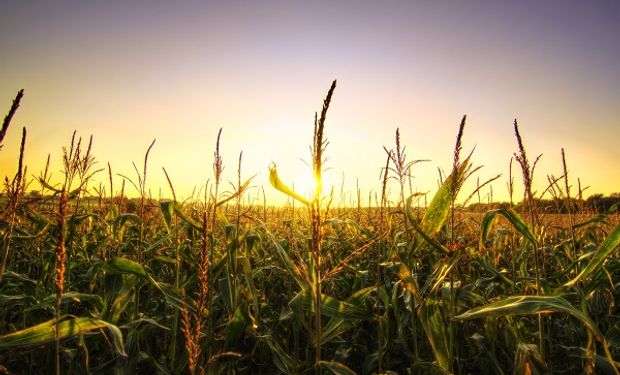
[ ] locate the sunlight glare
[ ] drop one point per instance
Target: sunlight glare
(305, 184)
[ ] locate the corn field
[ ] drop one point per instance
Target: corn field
(99, 283)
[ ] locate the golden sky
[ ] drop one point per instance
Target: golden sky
(177, 72)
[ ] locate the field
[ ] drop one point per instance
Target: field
(92, 283)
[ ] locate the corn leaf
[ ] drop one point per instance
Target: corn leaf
(331, 307)
(512, 217)
(421, 231)
(523, 305)
(439, 208)
(602, 364)
(124, 265)
(68, 327)
(237, 193)
(171, 293)
(188, 219)
(429, 368)
(236, 325)
(406, 277)
(336, 368)
(609, 245)
(436, 279)
(275, 181)
(281, 359)
(432, 320)
(167, 210)
(338, 325)
(292, 269)
(49, 301)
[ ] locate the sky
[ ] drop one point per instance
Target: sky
(177, 72)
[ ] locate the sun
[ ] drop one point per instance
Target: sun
(305, 184)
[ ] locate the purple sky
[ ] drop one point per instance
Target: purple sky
(128, 73)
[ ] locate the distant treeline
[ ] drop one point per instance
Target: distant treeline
(597, 203)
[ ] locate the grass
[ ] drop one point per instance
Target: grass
(93, 282)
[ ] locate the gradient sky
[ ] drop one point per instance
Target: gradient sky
(129, 72)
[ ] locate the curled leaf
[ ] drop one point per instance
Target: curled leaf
(275, 181)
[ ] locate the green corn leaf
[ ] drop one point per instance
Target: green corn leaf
(236, 325)
(338, 325)
(157, 245)
(426, 235)
(48, 186)
(18, 277)
(119, 293)
(188, 219)
(68, 327)
(512, 217)
(602, 364)
(434, 325)
(281, 359)
(439, 208)
(429, 368)
(31, 236)
(7, 300)
(609, 245)
(334, 328)
(292, 269)
(237, 193)
(164, 259)
(600, 218)
(167, 210)
(336, 368)
(331, 307)
(144, 321)
(73, 194)
(600, 278)
(484, 263)
(480, 342)
(226, 290)
(437, 278)
(171, 294)
(406, 277)
(173, 298)
(124, 265)
(523, 305)
(528, 360)
(49, 301)
(121, 220)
